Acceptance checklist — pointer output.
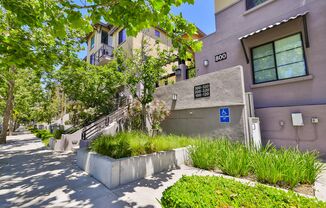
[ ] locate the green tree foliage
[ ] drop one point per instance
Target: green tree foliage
(143, 70)
(42, 35)
(90, 88)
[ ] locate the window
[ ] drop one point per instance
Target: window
(92, 42)
(122, 36)
(104, 37)
(281, 59)
(157, 33)
(252, 3)
(92, 59)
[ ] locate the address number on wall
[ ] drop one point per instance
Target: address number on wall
(221, 57)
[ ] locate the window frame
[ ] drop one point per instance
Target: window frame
(119, 43)
(107, 38)
(249, 8)
(157, 33)
(92, 42)
(275, 60)
(92, 58)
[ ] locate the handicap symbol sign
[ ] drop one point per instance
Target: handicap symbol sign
(224, 115)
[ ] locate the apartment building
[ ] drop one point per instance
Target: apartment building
(281, 45)
(105, 38)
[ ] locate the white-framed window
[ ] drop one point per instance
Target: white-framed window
(278, 60)
(93, 42)
(253, 3)
(122, 36)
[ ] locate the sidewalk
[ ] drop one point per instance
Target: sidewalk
(33, 176)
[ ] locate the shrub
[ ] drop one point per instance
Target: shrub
(109, 146)
(136, 143)
(210, 191)
(44, 135)
(57, 133)
(231, 158)
(285, 166)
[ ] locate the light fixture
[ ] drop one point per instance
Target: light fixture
(206, 63)
(178, 72)
(174, 97)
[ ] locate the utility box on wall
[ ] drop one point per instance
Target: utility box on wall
(297, 119)
(254, 131)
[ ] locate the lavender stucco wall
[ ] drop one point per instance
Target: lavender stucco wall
(235, 22)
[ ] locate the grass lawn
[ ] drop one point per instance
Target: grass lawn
(210, 191)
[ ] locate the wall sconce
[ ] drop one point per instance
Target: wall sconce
(174, 97)
(178, 72)
(206, 63)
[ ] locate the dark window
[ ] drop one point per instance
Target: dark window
(122, 36)
(104, 37)
(157, 33)
(92, 42)
(281, 59)
(92, 59)
(252, 3)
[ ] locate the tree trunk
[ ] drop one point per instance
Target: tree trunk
(143, 118)
(8, 111)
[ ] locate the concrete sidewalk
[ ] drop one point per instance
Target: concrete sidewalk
(33, 176)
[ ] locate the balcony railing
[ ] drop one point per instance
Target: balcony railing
(104, 54)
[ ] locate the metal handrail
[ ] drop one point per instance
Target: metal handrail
(104, 122)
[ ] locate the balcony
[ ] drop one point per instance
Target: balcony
(103, 55)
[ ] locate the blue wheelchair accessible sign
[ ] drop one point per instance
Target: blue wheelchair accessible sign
(225, 115)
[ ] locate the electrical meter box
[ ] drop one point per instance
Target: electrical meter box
(297, 119)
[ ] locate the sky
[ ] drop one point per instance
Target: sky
(201, 14)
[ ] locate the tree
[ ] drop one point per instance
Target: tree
(97, 87)
(144, 71)
(41, 35)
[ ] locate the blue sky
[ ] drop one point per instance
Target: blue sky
(201, 14)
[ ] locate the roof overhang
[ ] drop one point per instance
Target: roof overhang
(274, 25)
(303, 15)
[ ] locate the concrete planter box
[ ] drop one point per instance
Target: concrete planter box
(115, 172)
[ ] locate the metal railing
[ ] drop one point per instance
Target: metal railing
(104, 51)
(95, 128)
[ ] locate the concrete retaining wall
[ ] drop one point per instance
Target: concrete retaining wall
(113, 173)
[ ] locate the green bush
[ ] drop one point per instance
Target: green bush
(209, 191)
(57, 133)
(284, 167)
(232, 158)
(136, 143)
(44, 135)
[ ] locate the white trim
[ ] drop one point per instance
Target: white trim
(285, 81)
(257, 7)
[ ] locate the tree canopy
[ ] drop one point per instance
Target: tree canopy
(44, 35)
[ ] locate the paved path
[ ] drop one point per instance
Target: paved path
(33, 176)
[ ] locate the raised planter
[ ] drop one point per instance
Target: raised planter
(115, 172)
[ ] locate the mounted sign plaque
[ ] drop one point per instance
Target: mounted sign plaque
(201, 91)
(221, 57)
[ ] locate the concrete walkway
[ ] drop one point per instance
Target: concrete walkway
(33, 176)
